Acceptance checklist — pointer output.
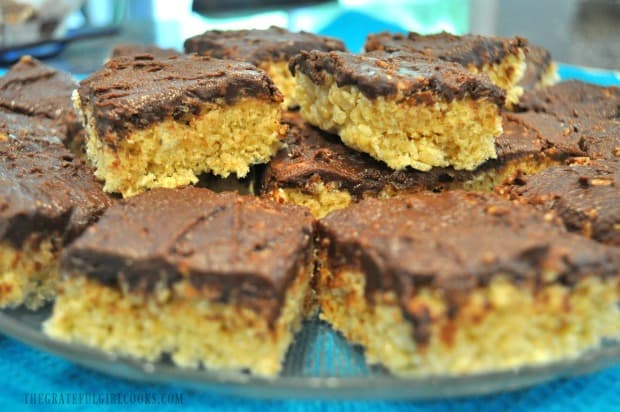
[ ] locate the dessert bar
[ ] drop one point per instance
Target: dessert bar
(401, 108)
(502, 59)
(47, 198)
(585, 196)
(268, 49)
(462, 283)
(34, 89)
(161, 122)
(132, 49)
(316, 170)
(219, 280)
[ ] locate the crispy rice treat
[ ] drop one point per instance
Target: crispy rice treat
(591, 112)
(159, 123)
(575, 101)
(268, 49)
(462, 283)
(502, 59)
(218, 280)
(585, 196)
(316, 170)
(47, 198)
(401, 108)
(34, 89)
(540, 70)
(135, 49)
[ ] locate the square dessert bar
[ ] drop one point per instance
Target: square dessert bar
(591, 111)
(268, 49)
(540, 70)
(34, 89)
(47, 198)
(461, 283)
(575, 102)
(316, 170)
(502, 59)
(219, 280)
(133, 49)
(161, 122)
(586, 196)
(401, 108)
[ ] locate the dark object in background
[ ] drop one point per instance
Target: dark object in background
(218, 6)
(595, 34)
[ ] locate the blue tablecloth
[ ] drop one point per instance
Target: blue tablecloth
(34, 380)
(28, 376)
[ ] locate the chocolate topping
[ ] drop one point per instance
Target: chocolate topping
(601, 139)
(397, 75)
(34, 89)
(258, 46)
(574, 102)
(137, 92)
(586, 197)
(554, 136)
(454, 242)
(312, 154)
(241, 249)
(591, 113)
(43, 188)
(131, 50)
(467, 50)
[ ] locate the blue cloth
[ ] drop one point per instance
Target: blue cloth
(28, 375)
(24, 371)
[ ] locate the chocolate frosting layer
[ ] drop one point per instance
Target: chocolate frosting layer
(135, 92)
(258, 46)
(43, 188)
(454, 242)
(398, 75)
(574, 102)
(240, 249)
(311, 154)
(467, 50)
(591, 111)
(601, 139)
(132, 49)
(586, 197)
(34, 89)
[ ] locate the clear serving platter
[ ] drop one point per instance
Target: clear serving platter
(320, 364)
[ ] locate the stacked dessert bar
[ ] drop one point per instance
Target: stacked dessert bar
(48, 196)
(435, 198)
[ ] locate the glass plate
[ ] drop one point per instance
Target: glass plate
(320, 364)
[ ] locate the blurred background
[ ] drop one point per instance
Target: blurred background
(77, 35)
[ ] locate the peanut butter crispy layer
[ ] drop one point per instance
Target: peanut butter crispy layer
(397, 75)
(134, 93)
(585, 196)
(257, 46)
(455, 242)
(242, 250)
(466, 50)
(34, 89)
